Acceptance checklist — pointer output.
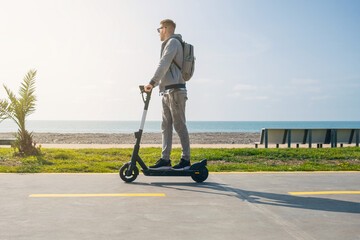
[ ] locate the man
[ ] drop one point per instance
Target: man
(174, 95)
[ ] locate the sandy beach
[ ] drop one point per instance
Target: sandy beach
(100, 140)
(147, 138)
(123, 140)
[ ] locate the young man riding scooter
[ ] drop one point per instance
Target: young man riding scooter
(172, 86)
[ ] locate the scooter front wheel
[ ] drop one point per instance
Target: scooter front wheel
(200, 175)
(132, 177)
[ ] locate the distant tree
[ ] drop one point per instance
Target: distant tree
(17, 109)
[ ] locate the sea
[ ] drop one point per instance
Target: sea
(42, 126)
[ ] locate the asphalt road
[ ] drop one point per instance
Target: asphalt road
(226, 206)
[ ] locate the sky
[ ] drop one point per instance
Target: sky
(256, 60)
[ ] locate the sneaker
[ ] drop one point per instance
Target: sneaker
(162, 164)
(183, 165)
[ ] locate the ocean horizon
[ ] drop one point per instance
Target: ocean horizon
(67, 126)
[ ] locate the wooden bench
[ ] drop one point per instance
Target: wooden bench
(308, 136)
(7, 141)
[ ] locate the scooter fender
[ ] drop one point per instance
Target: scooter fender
(130, 169)
(199, 165)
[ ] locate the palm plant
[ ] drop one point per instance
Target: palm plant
(17, 109)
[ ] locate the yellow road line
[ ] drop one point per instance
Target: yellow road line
(101, 195)
(324, 192)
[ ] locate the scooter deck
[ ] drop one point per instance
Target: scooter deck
(151, 172)
(193, 170)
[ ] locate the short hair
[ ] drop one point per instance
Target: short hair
(168, 23)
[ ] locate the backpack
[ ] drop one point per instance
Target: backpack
(188, 66)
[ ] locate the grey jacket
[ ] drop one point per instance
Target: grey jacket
(167, 73)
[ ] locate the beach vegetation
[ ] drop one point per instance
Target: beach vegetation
(18, 109)
(219, 160)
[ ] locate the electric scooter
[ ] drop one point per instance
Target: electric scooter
(129, 171)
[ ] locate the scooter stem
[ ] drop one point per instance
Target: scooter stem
(135, 155)
(146, 101)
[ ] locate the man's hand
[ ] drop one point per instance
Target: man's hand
(148, 88)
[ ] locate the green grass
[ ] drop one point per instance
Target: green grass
(220, 160)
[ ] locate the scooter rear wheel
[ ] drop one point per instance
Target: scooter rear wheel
(201, 176)
(133, 175)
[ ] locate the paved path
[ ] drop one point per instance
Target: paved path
(227, 206)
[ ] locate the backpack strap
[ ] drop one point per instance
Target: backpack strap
(173, 61)
(176, 64)
(182, 44)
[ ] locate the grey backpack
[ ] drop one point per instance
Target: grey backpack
(188, 66)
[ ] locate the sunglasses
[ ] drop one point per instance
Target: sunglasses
(160, 29)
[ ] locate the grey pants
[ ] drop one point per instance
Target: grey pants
(173, 114)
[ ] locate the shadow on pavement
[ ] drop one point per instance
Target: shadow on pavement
(275, 199)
